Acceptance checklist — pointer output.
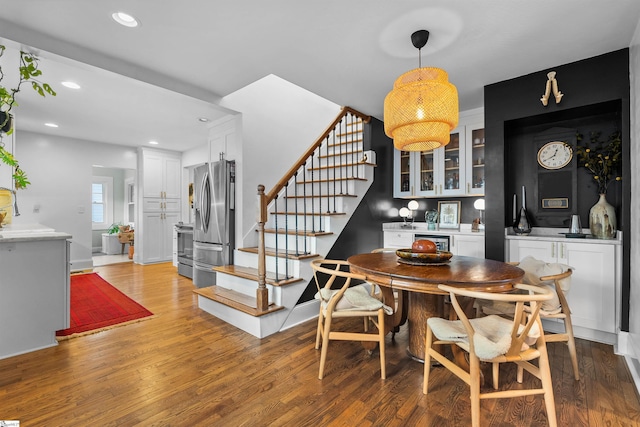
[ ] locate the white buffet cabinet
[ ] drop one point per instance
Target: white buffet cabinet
(34, 288)
(594, 296)
(462, 241)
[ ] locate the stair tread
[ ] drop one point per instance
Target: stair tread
(280, 253)
(298, 233)
(252, 274)
(320, 195)
(235, 299)
(308, 213)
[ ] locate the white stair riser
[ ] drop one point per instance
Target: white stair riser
(350, 171)
(346, 157)
(248, 259)
(289, 241)
(319, 205)
(240, 284)
(343, 149)
(310, 223)
(315, 188)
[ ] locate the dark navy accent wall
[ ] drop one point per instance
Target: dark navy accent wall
(596, 97)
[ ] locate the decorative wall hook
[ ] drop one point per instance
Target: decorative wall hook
(552, 84)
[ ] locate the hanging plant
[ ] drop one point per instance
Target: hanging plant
(601, 158)
(29, 72)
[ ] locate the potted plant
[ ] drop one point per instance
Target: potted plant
(602, 159)
(28, 72)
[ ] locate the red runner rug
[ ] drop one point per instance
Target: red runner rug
(96, 305)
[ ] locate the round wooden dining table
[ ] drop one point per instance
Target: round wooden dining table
(421, 283)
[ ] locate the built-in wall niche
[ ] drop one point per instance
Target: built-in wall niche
(523, 138)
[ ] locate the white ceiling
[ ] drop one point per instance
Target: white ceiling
(153, 82)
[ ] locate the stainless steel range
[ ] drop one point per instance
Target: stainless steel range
(184, 233)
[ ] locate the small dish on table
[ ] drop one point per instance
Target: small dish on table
(407, 256)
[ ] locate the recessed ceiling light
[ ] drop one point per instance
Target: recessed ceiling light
(203, 119)
(51, 125)
(71, 85)
(153, 142)
(125, 19)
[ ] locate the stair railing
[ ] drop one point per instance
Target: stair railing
(346, 117)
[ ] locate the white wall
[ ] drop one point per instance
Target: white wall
(634, 298)
(279, 122)
(60, 171)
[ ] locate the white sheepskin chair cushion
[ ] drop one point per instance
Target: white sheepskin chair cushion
(492, 337)
(534, 269)
(354, 298)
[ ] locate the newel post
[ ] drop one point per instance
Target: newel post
(262, 293)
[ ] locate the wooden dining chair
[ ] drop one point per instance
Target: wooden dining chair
(339, 299)
(494, 339)
(556, 308)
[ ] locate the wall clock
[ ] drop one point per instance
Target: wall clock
(554, 155)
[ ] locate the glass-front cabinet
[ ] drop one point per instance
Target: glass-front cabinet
(451, 163)
(454, 170)
(414, 174)
(475, 165)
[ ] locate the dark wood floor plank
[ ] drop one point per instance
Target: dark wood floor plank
(184, 367)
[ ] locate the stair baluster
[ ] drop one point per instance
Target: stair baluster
(304, 204)
(339, 125)
(342, 132)
(333, 151)
(313, 225)
(275, 205)
(296, 209)
(353, 149)
(286, 236)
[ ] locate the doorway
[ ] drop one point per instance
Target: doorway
(113, 205)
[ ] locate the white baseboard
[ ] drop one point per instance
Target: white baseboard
(626, 348)
(302, 313)
(81, 264)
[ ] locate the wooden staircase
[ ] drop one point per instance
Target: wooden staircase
(300, 219)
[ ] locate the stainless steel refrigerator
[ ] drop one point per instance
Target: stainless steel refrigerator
(214, 228)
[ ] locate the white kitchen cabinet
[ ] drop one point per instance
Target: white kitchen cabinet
(460, 243)
(398, 239)
(594, 293)
(35, 290)
(454, 170)
(157, 239)
(467, 245)
(160, 175)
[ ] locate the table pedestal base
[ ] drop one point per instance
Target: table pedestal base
(421, 307)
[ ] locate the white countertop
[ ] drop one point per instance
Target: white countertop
(422, 228)
(542, 233)
(29, 232)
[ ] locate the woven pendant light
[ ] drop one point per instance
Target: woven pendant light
(422, 108)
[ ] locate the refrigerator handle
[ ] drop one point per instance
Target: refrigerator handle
(205, 202)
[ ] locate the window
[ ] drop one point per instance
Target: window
(101, 202)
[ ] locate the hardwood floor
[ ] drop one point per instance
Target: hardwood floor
(185, 367)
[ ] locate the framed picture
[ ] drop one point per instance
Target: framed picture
(449, 214)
